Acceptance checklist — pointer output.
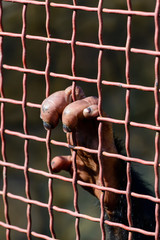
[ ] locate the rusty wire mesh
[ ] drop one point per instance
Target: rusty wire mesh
(25, 70)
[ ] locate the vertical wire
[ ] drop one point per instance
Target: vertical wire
(74, 153)
(74, 183)
(50, 187)
(26, 142)
(73, 39)
(157, 120)
(127, 119)
(99, 76)
(48, 47)
(47, 78)
(2, 126)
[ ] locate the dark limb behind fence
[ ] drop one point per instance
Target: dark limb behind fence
(80, 123)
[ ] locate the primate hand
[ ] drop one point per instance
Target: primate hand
(79, 119)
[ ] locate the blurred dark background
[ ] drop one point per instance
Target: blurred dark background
(113, 66)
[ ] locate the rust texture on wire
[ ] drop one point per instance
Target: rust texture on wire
(47, 74)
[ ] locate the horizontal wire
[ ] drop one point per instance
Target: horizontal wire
(67, 211)
(85, 8)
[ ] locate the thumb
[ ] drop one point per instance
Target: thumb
(61, 163)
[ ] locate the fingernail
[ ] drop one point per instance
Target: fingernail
(53, 167)
(88, 110)
(47, 126)
(66, 128)
(52, 164)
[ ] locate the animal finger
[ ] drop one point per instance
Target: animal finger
(53, 106)
(61, 163)
(77, 111)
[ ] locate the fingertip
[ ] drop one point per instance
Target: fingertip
(59, 163)
(54, 167)
(66, 129)
(87, 111)
(47, 126)
(91, 111)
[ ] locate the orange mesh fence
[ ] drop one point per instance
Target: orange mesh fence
(100, 82)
